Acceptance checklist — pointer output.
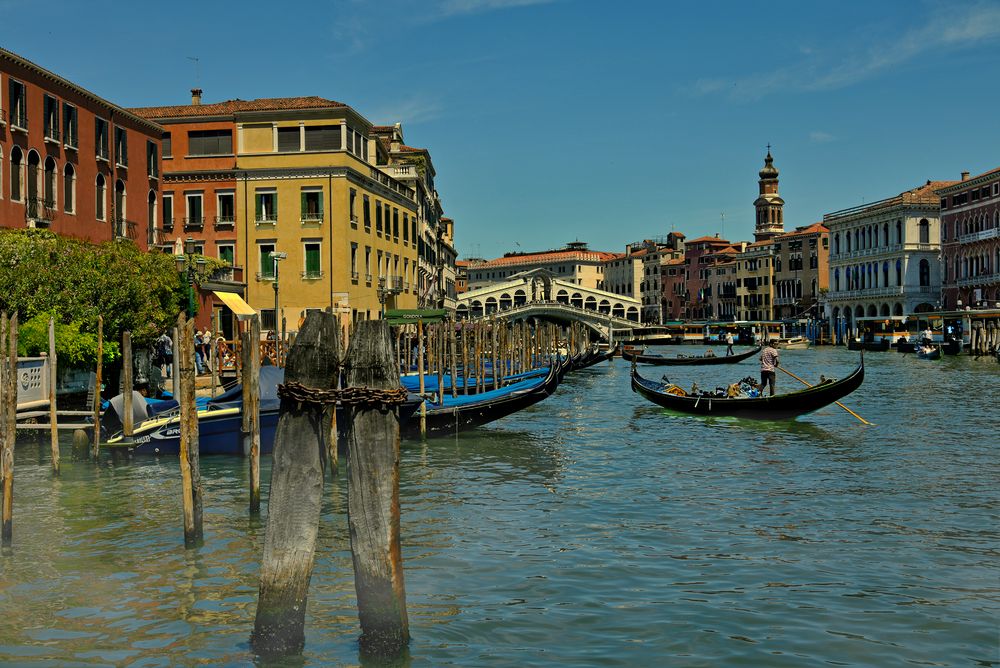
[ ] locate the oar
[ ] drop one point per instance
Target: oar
(863, 421)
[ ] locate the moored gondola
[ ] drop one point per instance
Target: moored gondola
(661, 360)
(778, 407)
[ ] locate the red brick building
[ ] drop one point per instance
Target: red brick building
(970, 241)
(699, 256)
(73, 162)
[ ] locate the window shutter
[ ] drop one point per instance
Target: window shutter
(312, 259)
(288, 140)
(319, 203)
(304, 209)
(258, 203)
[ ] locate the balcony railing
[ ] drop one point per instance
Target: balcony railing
(168, 224)
(52, 135)
(125, 229)
(70, 140)
(266, 219)
(226, 220)
(265, 276)
(368, 278)
(982, 279)
(312, 216)
(354, 275)
(194, 223)
(102, 153)
(311, 275)
(40, 210)
(354, 222)
(867, 292)
(979, 236)
(19, 121)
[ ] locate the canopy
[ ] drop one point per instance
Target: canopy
(235, 304)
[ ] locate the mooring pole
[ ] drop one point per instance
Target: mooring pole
(9, 429)
(189, 461)
(95, 444)
(296, 490)
(373, 496)
(250, 378)
(53, 412)
(420, 371)
(128, 426)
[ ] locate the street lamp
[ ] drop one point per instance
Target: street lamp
(186, 263)
(276, 257)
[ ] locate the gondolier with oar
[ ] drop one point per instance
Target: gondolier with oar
(769, 363)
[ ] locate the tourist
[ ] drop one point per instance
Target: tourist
(729, 344)
(768, 367)
(928, 335)
(197, 352)
(164, 347)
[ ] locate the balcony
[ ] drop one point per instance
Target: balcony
(354, 276)
(39, 212)
(102, 154)
(70, 140)
(982, 279)
(51, 136)
(267, 218)
(312, 217)
(194, 223)
(368, 278)
(225, 221)
(18, 121)
(890, 291)
(125, 229)
(982, 235)
(311, 275)
(168, 224)
(354, 222)
(265, 275)
(402, 171)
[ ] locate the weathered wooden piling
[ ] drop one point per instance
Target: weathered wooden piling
(373, 495)
(420, 372)
(189, 454)
(250, 427)
(8, 429)
(95, 444)
(53, 412)
(128, 427)
(452, 357)
(296, 488)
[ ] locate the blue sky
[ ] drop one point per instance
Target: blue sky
(556, 120)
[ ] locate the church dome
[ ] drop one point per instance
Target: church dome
(769, 171)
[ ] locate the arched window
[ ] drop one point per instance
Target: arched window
(848, 239)
(119, 212)
(885, 274)
(925, 231)
(100, 210)
(885, 234)
(151, 209)
(899, 231)
(899, 272)
(69, 188)
(925, 272)
(31, 183)
(49, 183)
(836, 280)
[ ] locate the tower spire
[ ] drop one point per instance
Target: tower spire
(769, 205)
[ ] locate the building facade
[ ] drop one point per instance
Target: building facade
(754, 282)
(970, 241)
(801, 272)
(884, 257)
(574, 263)
(700, 255)
(73, 162)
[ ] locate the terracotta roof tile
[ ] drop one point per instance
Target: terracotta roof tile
(230, 107)
(815, 228)
(545, 258)
(711, 239)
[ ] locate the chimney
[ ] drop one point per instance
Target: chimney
(195, 96)
(965, 176)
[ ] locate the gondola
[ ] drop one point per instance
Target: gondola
(929, 352)
(461, 413)
(778, 407)
(872, 346)
(219, 422)
(592, 357)
(660, 360)
(412, 382)
(904, 346)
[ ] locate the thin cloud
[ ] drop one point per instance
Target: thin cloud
(823, 70)
(449, 8)
(409, 111)
(820, 137)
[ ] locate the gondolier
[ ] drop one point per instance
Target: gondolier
(729, 343)
(769, 363)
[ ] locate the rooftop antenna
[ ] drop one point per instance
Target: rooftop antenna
(722, 232)
(197, 71)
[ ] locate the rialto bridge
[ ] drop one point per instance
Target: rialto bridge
(537, 294)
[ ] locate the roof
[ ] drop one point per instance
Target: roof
(716, 240)
(230, 107)
(815, 228)
(546, 258)
(411, 149)
(957, 185)
(676, 260)
(923, 194)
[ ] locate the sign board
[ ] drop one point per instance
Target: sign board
(399, 316)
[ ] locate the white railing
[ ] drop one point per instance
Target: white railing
(979, 236)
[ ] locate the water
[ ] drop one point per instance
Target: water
(594, 529)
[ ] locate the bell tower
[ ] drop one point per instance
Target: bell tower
(769, 205)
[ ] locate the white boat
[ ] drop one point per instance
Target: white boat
(794, 343)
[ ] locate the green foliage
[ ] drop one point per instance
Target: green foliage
(42, 273)
(73, 347)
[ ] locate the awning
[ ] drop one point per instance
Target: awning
(408, 316)
(235, 303)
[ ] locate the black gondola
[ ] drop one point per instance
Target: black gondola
(660, 360)
(872, 346)
(778, 407)
(593, 357)
(471, 412)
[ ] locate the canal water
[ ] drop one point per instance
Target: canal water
(594, 529)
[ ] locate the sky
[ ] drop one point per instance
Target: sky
(550, 121)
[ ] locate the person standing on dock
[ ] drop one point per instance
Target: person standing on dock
(165, 354)
(768, 367)
(729, 344)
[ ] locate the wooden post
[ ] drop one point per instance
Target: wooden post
(213, 360)
(420, 372)
(373, 497)
(8, 429)
(296, 492)
(176, 371)
(454, 354)
(128, 426)
(53, 412)
(439, 341)
(250, 378)
(494, 356)
(465, 358)
(189, 460)
(95, 445)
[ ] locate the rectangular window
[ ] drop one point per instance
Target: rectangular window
(210, 142)
(18, 105)
(168, 211)
(378, 217)
(354, 261)
(406, 227)
(395, 224)
(266, 206)
(366, 206)
(413, 230)
(152, 163)
(322, 138)
(51, 124)
(368, 264)
(378, 263)
(225, 208)
(168, 145)
(70, 126)
(101, 138)
(267, 319)
(195, 211)
(69, 189)
(101, 195)
(353, 207)
(312, 256)
(265, 261)
(227, 253)
(121, 147)
(312, 205)
(289, 140)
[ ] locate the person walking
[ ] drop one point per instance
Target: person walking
(729, 344)
(768, 367)
(165, 354)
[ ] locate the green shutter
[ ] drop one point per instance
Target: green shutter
(304, 206)
(319, 204)
(257, 202)
(312, 259)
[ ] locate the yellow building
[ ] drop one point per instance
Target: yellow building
(314, 222)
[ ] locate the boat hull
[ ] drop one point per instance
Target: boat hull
(657, 360)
